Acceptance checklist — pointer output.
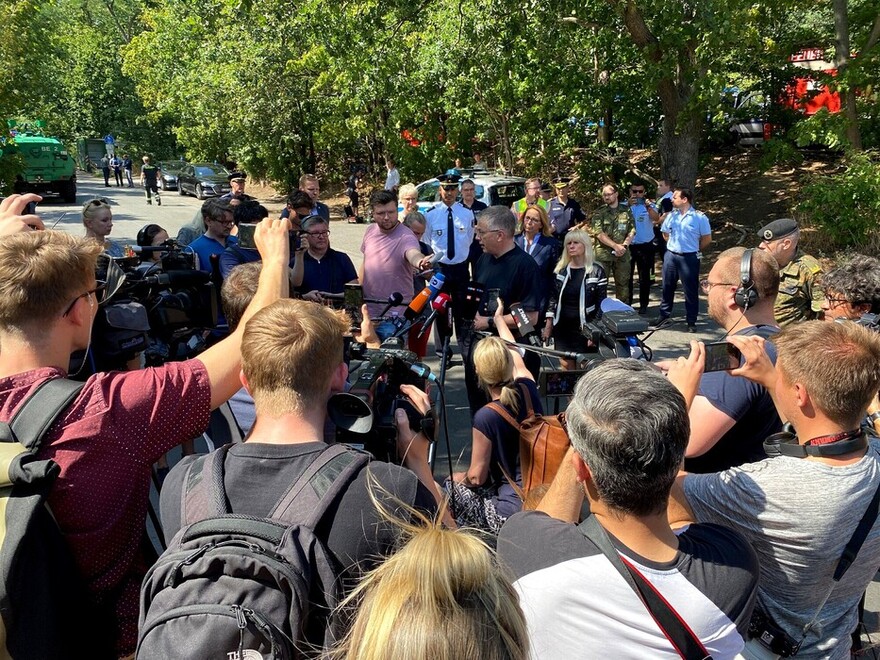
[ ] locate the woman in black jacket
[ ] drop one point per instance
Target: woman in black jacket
(580, 287)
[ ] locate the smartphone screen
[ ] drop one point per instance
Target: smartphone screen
(353, 299)
(721, 356)
(246, 235)
(492, 301)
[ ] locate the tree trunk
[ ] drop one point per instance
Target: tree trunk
(506, 148)
(680, 151)
(841, 62)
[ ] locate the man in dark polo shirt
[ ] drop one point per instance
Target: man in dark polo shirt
(319, 268)
(506, 271)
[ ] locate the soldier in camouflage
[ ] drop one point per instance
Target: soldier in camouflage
(800, 295)
(613, 229)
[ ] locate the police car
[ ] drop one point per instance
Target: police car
(491, 189)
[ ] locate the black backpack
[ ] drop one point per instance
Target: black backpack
(232, 586)
(47, 611)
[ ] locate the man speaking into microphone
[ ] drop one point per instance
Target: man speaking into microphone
(504, 271)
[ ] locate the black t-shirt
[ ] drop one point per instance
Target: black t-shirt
(571, 297)
(515, 274)
(329, 274)
(744, 401)
(258, 474)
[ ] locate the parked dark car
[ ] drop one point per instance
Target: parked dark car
(203, 180)
(170, 170)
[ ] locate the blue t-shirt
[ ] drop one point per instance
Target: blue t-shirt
(685, 230)
(329, 274)
(505, 448)
(744, 401)
(644, 226)
(205, 246)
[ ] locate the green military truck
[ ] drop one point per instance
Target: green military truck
(48, 166)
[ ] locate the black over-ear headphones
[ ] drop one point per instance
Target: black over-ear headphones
(785, 443)
(746, 295)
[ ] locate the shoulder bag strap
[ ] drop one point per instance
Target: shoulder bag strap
(676, 630)
(850, 551)
(527, 399)
(309, 497)
(40, 410)
(203, 494)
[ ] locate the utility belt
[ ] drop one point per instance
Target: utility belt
(765, 631)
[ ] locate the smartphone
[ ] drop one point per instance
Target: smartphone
(246, 235)
(722, 356)
(492, 301)
(30, 209)
(295, 241)
(353, 298)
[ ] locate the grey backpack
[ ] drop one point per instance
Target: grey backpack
(239, 587)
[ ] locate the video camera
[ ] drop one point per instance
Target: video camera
(616, 332)
(159, 307)
(364, 416)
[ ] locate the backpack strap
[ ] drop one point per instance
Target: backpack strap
(203, 494)
(502, 411)
(527, 400)
(40, 410)
(309, 497)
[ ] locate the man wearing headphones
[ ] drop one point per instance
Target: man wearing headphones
(802, 508)
(730, 417)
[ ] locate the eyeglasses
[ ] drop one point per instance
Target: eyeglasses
(227, 223)
(483, 232)
(834, 301)
(637, 192)
(319, 233)
(98, 291)
(706, 285)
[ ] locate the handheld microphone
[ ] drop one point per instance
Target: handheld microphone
(421, 299)
(525, 327)
(393, 301)
(439, 305)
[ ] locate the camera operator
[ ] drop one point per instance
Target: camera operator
(799, 509)
(247, 212)
(292, 361)
(731, 416)
(120, 423)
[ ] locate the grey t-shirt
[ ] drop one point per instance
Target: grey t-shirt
(799, 514)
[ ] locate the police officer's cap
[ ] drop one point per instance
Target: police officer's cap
(561, 182)
(233, 176)
(778, 229)
(545, 187)
(449, 180)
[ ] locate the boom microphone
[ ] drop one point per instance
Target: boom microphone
(150, 249)
(439, 305)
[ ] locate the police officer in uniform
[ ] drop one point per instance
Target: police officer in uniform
(613, 230)
(800, 296)
(236, 182)
(449, 231)
(564, 212)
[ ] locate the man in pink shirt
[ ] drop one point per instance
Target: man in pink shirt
(391, 254)
(119, 424)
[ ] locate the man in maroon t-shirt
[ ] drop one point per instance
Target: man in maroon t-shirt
(120, 423)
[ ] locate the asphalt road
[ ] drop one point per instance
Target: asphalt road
(131, 212)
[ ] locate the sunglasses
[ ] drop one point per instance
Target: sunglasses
(98, 201)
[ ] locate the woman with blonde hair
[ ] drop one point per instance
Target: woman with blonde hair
(98, 221)
(409, 200)
(536, 238)
(442, 596)
(487, 494)
(579, 288)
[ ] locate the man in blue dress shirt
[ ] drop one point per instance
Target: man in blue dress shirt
(687, 232)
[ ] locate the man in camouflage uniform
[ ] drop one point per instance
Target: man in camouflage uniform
(613, 229)
(800, 296)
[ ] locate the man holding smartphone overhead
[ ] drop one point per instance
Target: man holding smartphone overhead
(731, 416)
